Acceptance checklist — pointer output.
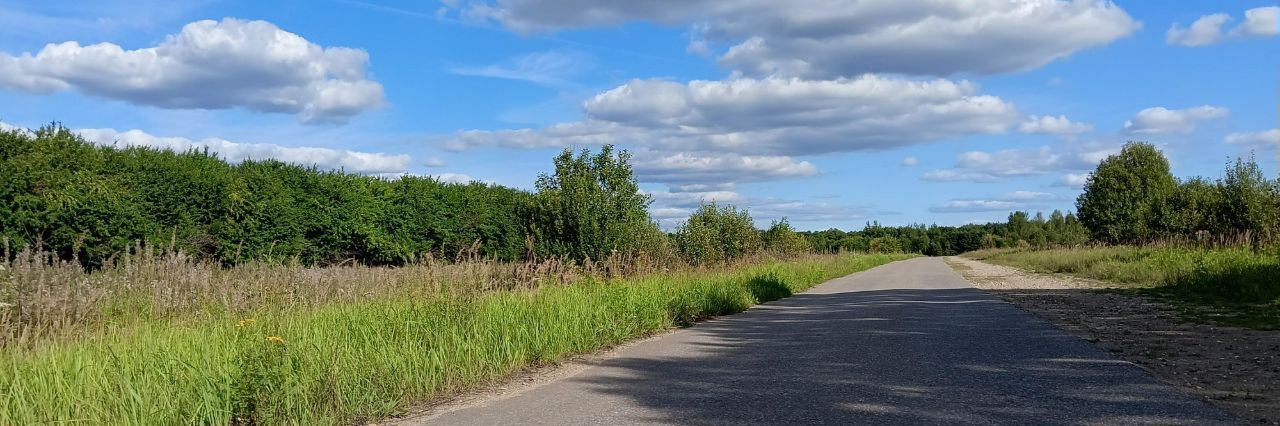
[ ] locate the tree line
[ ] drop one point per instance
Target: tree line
(1131, 198)
(62, 194)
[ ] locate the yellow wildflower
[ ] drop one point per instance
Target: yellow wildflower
(244, 323)
(275, 339)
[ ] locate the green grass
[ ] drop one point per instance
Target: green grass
(350, 362)
(1231, 286)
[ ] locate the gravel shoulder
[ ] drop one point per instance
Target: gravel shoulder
(1237, 369)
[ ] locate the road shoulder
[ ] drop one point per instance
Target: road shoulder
(1237, 369)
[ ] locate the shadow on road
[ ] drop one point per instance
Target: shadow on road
(891, 357)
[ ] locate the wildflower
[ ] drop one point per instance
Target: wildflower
(276, 339)
(244, 323)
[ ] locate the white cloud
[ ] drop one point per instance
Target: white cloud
(1160, 120)
(910, 162)
(208, 65)
(970, 206)
(1210, 29)
(1027, 196)
(550, 68)
(830, 38)
(1259, 22)
(454, 178)
(434, 162)
(771, 116)
(1072, 180)
(671, 209)
(716, 168)
(1261, 139)
(1017, 200)
(1059, 125)
(325, 158)
(1203, 32)
(983, 166)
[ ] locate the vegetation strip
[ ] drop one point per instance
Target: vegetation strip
(1232, 286)
(349, 362)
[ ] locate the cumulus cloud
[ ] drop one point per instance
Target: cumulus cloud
(705, 168)
(671, 209)
(454, 178)
(984, 166)
(970, 206)
(1259, 22)
(1161, 120)
(1059, 125)
(434, 162)
(910, 162)
(1211, 29)
(325, 158)
(771, 116)
(208, 65)
(1072, 180)
(1017, 200)
(1262, 139)
(1203, 32)
(830, 38)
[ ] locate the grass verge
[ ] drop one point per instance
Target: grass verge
(356, 361)
(1229, 286)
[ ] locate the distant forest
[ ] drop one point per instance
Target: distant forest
(62, 194)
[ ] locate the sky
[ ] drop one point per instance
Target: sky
(831, 113)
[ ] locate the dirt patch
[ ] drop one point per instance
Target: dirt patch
(1237, 369)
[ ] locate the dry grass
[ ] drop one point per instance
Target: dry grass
(42, 297)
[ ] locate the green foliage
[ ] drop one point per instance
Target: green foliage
(1020, 229)
(715, 234)
(1238, 286)
(782, 239)
(884, 245)
(592, 207)
(349, 363)
(1248, 199)
(1126, 199)
(91, 203)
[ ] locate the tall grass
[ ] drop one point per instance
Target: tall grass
(277, 344)
(1241, 279)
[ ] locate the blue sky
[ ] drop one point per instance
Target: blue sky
(829, 112)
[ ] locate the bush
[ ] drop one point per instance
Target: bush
(714, 234)
(91, 203)
(884, 245)
(592, 207)
(783, 240)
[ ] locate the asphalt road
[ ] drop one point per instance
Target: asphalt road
(906, 343)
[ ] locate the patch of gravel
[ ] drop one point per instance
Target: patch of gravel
(1236, 368)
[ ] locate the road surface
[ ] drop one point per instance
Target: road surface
(906, 343)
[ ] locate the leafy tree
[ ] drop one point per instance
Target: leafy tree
(592, 207)
(714, 234)
(1246, 198)
(782, 239)
(1126, 198)
(884, 245)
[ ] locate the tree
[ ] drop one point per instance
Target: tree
(592, 207)
(884, 245)
(1246, 198)
(1126, 199)
(716, 234)
(782, 239)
